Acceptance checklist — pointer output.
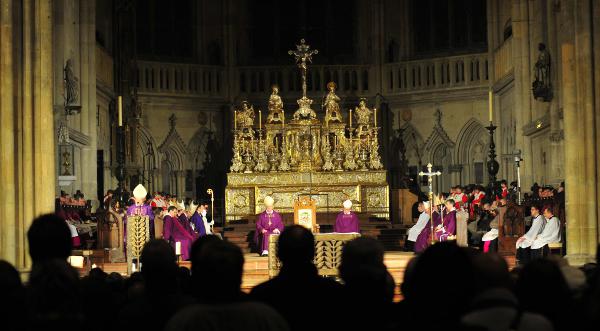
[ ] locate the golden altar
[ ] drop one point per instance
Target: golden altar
(332, 161)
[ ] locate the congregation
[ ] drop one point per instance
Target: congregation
(472, 290)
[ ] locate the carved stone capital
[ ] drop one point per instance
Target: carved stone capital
(557, 136)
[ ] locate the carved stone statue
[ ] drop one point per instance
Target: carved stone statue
(275, 106)
(332, 106)
(71, 84)
(542, 87)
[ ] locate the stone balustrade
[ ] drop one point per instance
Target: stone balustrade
(350, 79)
(357, 80)
(436, 73)
(180, 78)
(503, 59)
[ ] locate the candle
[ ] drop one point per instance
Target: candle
(120, 105)
(235, 119)
(178, 248)
(350, 117)
(375, 116)
(326, 118)
(276, 142)
(133, 267)
(259, 120)
(283, 118)
(94, 266)
(490, 105)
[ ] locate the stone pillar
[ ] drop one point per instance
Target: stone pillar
(27, 175)
(581, 136)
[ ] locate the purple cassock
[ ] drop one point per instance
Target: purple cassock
(145, 210)
(424, 238)
(177, 229)
(270, 222)
(346, 223)
(198, 222)
(449, 227)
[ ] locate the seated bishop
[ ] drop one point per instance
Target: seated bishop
(347, 221)
(447, 229)
(269, 222)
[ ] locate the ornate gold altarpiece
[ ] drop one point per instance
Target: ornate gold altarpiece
(330, 160)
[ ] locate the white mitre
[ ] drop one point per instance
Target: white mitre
(181, 205)
(192, 207)
(347, 204)
(426, 204)
(140, 192)
(269, 202)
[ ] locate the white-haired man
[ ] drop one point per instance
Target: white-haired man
(268, 222)
(347, 221)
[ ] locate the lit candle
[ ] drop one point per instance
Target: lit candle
(350, 117)
(375, 116)
(120, 105)
(283, 118)
(178, 248)
(133, 267)
(490, 105)
(94, 266)
(235, 119)
(259, 120)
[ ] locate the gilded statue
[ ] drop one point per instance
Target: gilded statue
(245, 117)
(363, 113)
(332, 106)
(275, 106)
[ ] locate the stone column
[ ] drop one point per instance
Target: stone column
(27, 151)
(8, 226)
(581, 137)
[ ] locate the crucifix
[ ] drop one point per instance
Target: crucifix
(430, 175)
(303, 54)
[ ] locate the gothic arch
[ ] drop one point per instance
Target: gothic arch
(197, 148)
(174, 149)
(471, 152)
(413, 142)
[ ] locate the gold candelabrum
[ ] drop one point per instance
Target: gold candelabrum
(305, 143)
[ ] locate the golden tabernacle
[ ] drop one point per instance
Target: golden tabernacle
(330, 160)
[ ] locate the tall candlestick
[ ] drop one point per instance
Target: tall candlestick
(350, 117)
(491, 101)
(235, 119)
(120, 106)
(375, 116)
(259, 120)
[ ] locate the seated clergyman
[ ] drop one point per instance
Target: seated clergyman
(347, 221)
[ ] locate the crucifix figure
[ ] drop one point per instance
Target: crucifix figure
(303, 54)
(430, 175)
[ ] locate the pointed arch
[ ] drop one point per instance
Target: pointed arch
(174, 149)
(197, 148)
(471, 151)
(413, 142)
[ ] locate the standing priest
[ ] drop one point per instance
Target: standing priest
(139, 207)
(269, 222)
(347, 221)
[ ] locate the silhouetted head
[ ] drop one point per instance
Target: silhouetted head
(49, 238)
(296, 246)
(364, 273)
(159, 266)
(220, 264)
(9, 278)
(444, 272)
(491, 271)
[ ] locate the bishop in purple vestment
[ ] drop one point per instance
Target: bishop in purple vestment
(424, 238)
(268, 222)
(347, 221)
(139, 208)
(177, 229)
(447, 230)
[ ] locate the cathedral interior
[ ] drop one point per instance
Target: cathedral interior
(102, 93)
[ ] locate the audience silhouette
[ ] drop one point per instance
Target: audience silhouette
(446, 287)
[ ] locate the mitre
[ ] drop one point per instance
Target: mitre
(269, 202)
(140, 192)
